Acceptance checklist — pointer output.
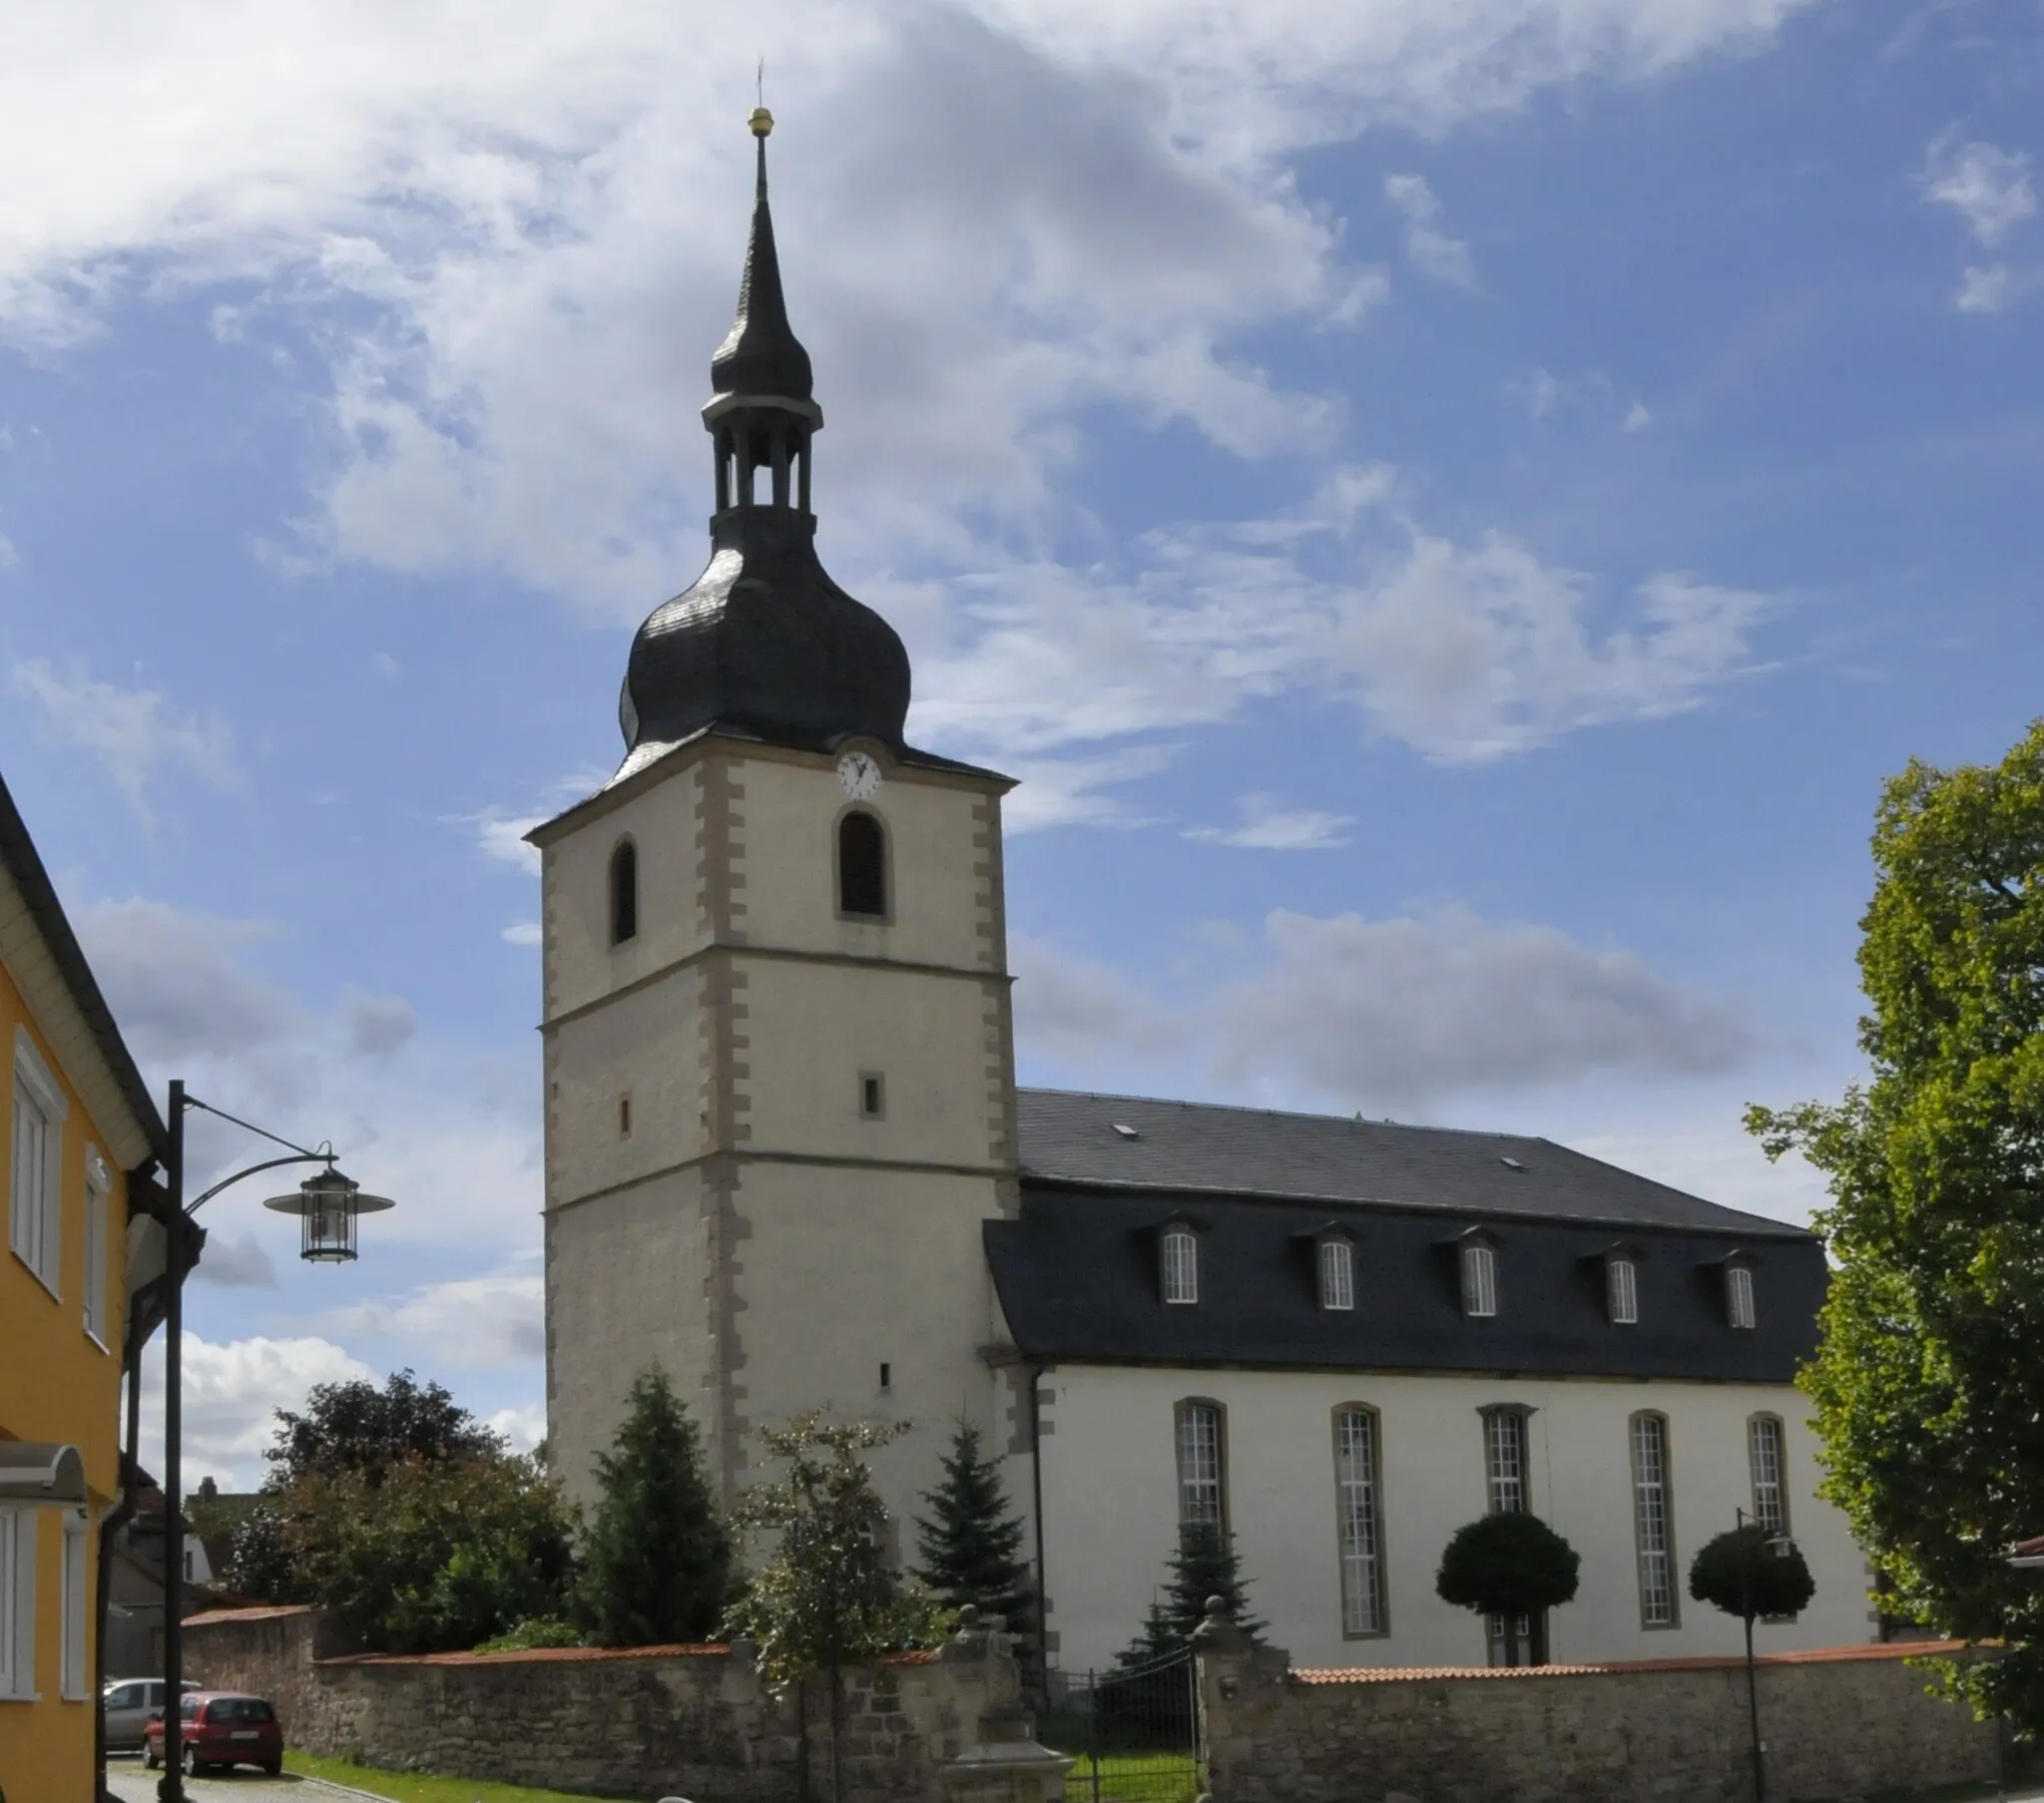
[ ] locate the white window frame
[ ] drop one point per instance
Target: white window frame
(1621, 1291)
(75, 1682)
(1739, 1308)
(1338, 1274)
(1358, 1513)
(1506, 1482)
(1653, 1520)
(99, 1185)
(1197, 1435)
(35, 1186)
(1766, 1454)
(1479, 1281)
(1178, 1253)
(18, 1605)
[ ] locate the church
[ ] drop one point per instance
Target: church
(786, 1158)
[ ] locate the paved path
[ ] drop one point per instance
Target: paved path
(128, 1781)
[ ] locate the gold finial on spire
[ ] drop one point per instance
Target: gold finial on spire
(763, 122)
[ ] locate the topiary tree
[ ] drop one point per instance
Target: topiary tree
(1509, 1564)
(658, 1566)
(1748, 1573)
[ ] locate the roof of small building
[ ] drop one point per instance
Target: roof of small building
(1191, 1148)
(23, 864)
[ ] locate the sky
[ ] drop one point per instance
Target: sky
(1451, 509)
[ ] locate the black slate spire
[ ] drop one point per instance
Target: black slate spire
(760, 353)
(764, 644)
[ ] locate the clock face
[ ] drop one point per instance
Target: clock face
(860, 774)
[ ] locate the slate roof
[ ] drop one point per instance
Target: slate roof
(1078, 1279)
(1195, 1149)
(18, 855)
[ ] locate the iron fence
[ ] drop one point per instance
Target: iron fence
(1134, 1731)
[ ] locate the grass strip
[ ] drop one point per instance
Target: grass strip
(421, 1787)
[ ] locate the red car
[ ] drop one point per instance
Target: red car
(221, 1728)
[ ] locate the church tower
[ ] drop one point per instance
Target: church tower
(780, 1093)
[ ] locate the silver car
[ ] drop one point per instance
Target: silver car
(128, 1703)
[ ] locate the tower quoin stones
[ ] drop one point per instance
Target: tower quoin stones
(779, 1065)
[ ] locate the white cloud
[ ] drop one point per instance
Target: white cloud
(477, 1323)
(1988, 187)
(1430, 249)
(239, 1263)
(523, 932)
(1637, 418)
(177, 984)
(231, 1392)
(9, 556)
(1394, 1011)
(1067, 792)
(1267, 825)
(376, 1026)
(1992, 287)
(524, 1427)
(500, 837)
(129, 730)
(1390, 1013)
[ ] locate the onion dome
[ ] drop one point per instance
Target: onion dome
(764, 643)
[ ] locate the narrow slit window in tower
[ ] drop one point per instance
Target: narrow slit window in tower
(624, 893)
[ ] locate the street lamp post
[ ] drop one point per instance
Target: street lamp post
(1782, 1545)
(328, 1204)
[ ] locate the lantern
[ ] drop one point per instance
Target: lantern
(328, 1205)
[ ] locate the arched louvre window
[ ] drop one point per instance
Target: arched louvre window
(1201, 1488)
(1479, 1280)
(1356, 1510)
(862, 865)
(1621, 1291)
(1338, 1273)
(624, 892)
(1765, 1452)
(1653, 1520)
(1178, 1273)
(1738, 1296)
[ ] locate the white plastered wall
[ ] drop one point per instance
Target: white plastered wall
(1110, 1507)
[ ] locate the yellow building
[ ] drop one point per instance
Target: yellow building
(80, 1135)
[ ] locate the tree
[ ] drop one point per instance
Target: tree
(969, 1543)
(434, 1556)
(827, 1598)
(658, 1565)
(355, 1427)
(1927, 1381)
(1509, 1564)
(1748, 1573)
(1204, 1563)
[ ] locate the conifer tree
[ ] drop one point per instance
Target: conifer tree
(969, 1543)
(1205, 1564)
(659, 1565)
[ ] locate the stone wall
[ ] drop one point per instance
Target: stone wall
(697, 1721)
(1836, 1724)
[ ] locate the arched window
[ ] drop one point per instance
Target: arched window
(1179, 1265)
(1338, 1273)
(624, 892)
(1653, 1520)
(1479, 1280)
(862, 865)
(1356, 1487)
(1765, 1451)
(1201, 1476)
(1621, 1291)
(1738, 1296)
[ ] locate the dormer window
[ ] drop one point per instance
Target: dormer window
(1622, 1290)
(1479, 1279)
(1336, 1263)
(1739, 1309)
(1178, 1264)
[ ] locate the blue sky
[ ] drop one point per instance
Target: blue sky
(1451, 508)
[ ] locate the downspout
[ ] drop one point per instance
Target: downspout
(1036, 1512)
